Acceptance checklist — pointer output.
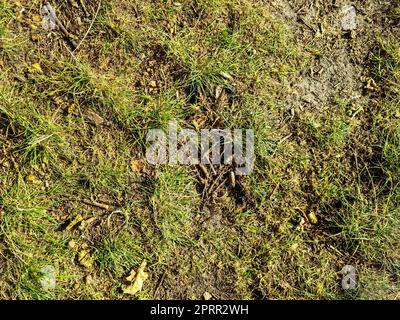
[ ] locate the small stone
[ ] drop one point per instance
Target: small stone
(33, 179)
(95, 118)
(48, 279)
(207, 296)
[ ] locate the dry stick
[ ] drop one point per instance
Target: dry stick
(84, 8)
(66, 33)
(98, 204)
(160, 283)
(61, 27)
(90, 27)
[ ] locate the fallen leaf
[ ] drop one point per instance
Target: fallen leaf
(86, 223)
(33, 179)
(88, 280)
(72, 244)
(36, 19)
(85, 259)
(131, 277)
(74, 3)
(71, 109)
(35, 68)
(74, 222)
(140, 276)
(312, 218)
(207, 296)
(137, 165)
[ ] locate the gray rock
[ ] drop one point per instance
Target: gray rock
(48, 279)
(49, 17)
(349, 18)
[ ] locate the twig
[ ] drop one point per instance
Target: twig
(70, 52)
(159, 283)
(98, 204)
(84, 7)
(90, 27)
(61, 26)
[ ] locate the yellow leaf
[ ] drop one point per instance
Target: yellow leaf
(71, 109)
(32, 179)
(74, 3)
(35, 68)
(74, 222)
(137, 165)
(312, 217)
(85, 259)
(137, 285)
(72, 244)
(132, 276)
(36, 19)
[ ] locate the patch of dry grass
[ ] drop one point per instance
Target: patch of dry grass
(324, 192)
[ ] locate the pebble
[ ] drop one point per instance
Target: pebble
(349, 19)
(48, 279)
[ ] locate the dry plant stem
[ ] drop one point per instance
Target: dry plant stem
(90, 27)
(63, 30)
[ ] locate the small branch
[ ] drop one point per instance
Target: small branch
(60, 25)
(90, 27)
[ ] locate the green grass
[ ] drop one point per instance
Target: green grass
(70, 129)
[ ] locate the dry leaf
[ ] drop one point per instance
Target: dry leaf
(85, 259)
(36, 19)
(88, 280)
(95, 118)
(312, 218)
(131, 277)
(74, 222)
(35, 68)
(33, 179)
(49, 17)
(74, 3)
(140, 276)
(71, 109)
(72, 244)
(207, 296)
(137, 165)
